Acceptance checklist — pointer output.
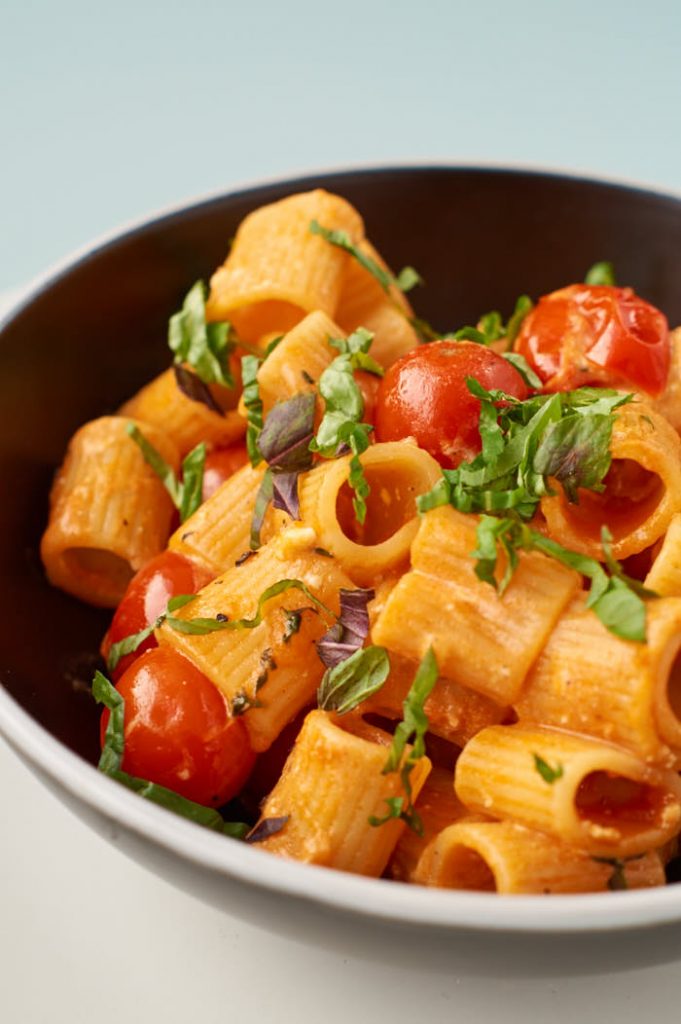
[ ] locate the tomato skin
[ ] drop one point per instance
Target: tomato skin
(148, 593)
(424, 395)
(369, 385)
(221, 463)
(596, 334)
(178, 732)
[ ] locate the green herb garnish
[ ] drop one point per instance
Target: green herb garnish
(186, 495)
(405, 280)
(548, 774)
(206, 347)
(253, 403)
(354, 680)
(602, 273)
(412, 729)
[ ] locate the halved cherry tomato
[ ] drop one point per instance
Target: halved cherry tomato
(178, 732)
(424, 395)
(596, 334)
(221, 463)
(148, 593)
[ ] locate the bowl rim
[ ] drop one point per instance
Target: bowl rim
(380, 899)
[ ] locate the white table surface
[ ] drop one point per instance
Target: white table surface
(112, 109)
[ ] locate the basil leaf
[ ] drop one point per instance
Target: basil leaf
(412, 729)
(253, 403)
(155, 460)
(186, 496)
(395, 810)
(284, 440)
(112, 757)
(204, 346)
(622, 611)
(548, 774)
(285, 493)
(191, 385)
(129, 644)
(523, 306)
(601, 274)
(262, 502)
(357, 345)
(405, 280)
(349, 633)
(576, 452)
(265, 828)
(521, 364)
(202, 626)
(352, 681)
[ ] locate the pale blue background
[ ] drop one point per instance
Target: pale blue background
(111, 110)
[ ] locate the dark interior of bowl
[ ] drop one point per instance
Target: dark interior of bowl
(97, 332)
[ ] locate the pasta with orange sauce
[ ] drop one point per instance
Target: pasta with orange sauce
(401, 600)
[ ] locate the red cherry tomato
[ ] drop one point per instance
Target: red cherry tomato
(596, 334)
(221, 463)
(368, 384)
(424, 395)
(178, 732)
(148, 593)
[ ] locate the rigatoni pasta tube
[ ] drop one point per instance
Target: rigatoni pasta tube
(583, 791)
(332, 784)
(364, 303)
(299, 360)
(589, 680)
(397, 473)
(506, 858)
(481, 640)
(218, 533)
(266, 673)
(163, 405)
(664, 576)
(642, 490)
(109, 512)
(278, 270)
(454, 712)
(437, 807)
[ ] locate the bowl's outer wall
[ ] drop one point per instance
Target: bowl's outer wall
(97, 332)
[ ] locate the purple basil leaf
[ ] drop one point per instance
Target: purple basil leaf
(191, 385)
(266, 828)
(262, 501)
(351, 630)
(285, 493)
(284, 441)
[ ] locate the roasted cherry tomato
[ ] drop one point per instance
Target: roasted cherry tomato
(221, 463)
(596, 334)
(148, 593)
(424, 395)
(178, 732)
(368, 384)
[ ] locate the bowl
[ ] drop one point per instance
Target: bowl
(89, 334)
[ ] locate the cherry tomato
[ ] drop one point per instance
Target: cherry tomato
(221, 463)
(148, 593)
(596, 334)
(178, 732)
(368, 384)
(424, 395)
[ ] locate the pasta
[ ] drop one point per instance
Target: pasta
(412, 610)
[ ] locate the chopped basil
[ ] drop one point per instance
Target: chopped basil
(262, 502)
(615, 598)
(491, 327)
(206, 347)
(112, 757)
(187, 495)
(602, 273)
(293, 621)
(349, 633)
(548, 774)
(618, 878)
(412, 729)
(253, 403)
(353, 680)
(341, 427)
(405, 280)
(521, 364)
(191, 385)
(265, 828)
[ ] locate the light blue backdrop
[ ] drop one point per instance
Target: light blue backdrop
(111, 110)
